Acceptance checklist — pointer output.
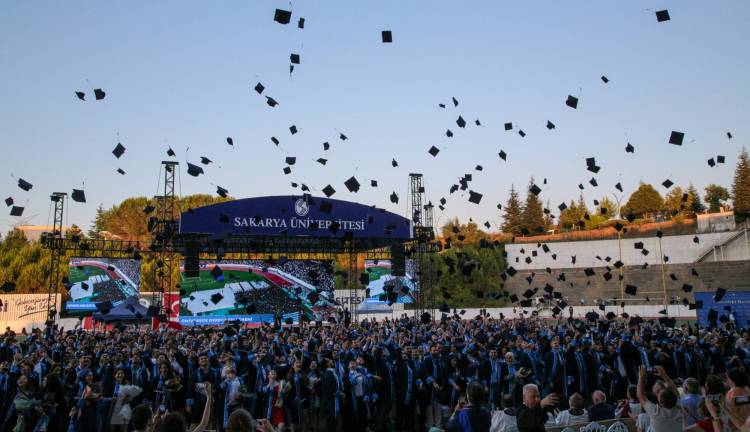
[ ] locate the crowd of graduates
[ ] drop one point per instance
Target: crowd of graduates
(396, 375)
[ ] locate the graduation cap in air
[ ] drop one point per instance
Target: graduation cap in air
(629, 148)
(322, 161)
(535, 189)
(329, 191)
(373, 183)
(216, 298)
(662, 15)
(572, 102)
(194, 170)
(294, 59)
(475, 197)
(120, 171)
(387, 36)
(522, 133)
(394, 198)
(99, 94)
(290, 160)
(696, 306)
(667, 183)
(433, 151)
(9, 201)
(550, 125)
(205, 160)
(618, 186)
(8, 286)
(230, 141)
(593, 182)
(502, 155)
(720, 159)
(81, 95)
(448, 133)
(104, 307)
(78, 195)
(461, 122)
(301, 23)
(23, 184)
(282, 16)
(605, 79)
(216, 272)
(589, 272)
(259, 88)
(720, 292)
(394, 163)
(119, 150)
(352, 184)
(711, 162)
(455, 101)
(170, 152)
(221, 191)
(271, 101)
(631, 289)
(676, 138)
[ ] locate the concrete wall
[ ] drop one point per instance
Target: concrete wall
(731, 275)
(737, 248)
(677, 250)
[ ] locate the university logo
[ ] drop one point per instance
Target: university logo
(301, 207)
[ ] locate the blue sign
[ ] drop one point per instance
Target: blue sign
(254, 319)
(739, 301)
(295, 216)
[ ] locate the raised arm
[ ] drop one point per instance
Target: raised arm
(206, 410)
(641, 393)
(665, 377)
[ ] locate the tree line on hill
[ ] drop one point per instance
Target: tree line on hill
(645, 204)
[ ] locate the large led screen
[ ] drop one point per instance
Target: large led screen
(99, 280)
(256, 292)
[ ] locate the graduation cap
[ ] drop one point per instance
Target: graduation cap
(631, 289)
(676, 138)
(78, 195)
(394, 198)
(282, 16)
(696, 306)
(522, 133)
(119, 150)
(720, 159)
(8, 286)
(104, 307)
(328, 191)
(605, 79)
(720, 292)
(23, 184)
(572, 102)
(16, 211)
(99, 94)
(589, 272)
(9, 201)
(455, 101)
(352, 184)
(461, 122)
(221, 191)
(259, 88)
(294, 59)
(528, 293)
(433, 151)
(667, 183)
(550, 125)
(322, 161)
(290, 160)
(301, 23)
(342, 137)
(194, 170)
(387, 36)
(394, 163)
(711, 162)
(271, 101)
(216, 298)
(448, 133)
(475, 197)
(81, 95)
(216, 272)
(502, 155)
(662, 15)
(373, 183)
(593, 182)
(535, 189)
(120, 171)
(205, 160)
(170, 152)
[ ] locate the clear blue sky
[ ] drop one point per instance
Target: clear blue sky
(183, 72)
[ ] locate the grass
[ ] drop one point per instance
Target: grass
(76, 275)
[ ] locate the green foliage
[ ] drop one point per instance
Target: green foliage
(462, 234)
(512, 219)
(607, 208)
(532, 216)
(741, 187)
(697, 206)
(679, 203)
(643, 201)
(715, 197)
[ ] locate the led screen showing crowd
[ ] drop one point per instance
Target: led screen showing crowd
(93, 281)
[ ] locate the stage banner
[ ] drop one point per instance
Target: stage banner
(295, 216)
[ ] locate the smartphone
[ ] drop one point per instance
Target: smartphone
(162, 408)
(742, 400)
(201, 388)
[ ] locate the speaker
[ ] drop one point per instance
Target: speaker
(192, 267)
(398, 260)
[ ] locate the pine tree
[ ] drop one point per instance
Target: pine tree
(697, 206)
(741, 188)
(512, 221)
(533, 214)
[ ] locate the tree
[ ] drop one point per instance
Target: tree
(573, 214)
(741, 188)
(697, 206)
(462, 234)
(549, 218)
(607, 208)
(643, 201)
(512, 219)
(715, 197)
(73, 231)
(532, 215)
(99, 223)
(679, 202)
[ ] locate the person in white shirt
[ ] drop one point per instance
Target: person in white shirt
(505, 420)
(575, 414)
(666, 416)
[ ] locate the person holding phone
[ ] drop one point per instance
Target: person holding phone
(469, 415)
